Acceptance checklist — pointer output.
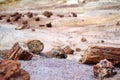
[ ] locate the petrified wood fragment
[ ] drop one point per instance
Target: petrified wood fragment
(60, 15)
(35, 46)
(49, 25)
(118, 23)
(103, 69)
(74, 14)
(56, 52)
(37, 19)
(10, 70)
(20, 51)
(47, 14)
(96, 53)
(68, 50)
(29, 14)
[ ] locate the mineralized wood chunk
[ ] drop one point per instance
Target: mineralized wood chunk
(35, 46)
(47, 14)
(96, 53)
(103, 69)
(68, 50)
(10, 70)
(20, 51)
(56, 52)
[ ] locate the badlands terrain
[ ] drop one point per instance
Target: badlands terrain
(96, 23)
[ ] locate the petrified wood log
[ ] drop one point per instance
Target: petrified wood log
(103, 69)
(96, 53)
(10, 70)
(20, 51)
(68, 50)
(35, 46)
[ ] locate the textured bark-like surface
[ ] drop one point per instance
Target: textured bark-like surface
(20, 51)
(103, 69)
(96, 53)
(35, 46)
(68, 50)
(10, 70)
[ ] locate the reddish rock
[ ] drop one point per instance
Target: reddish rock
(10, 70)
(103, 69)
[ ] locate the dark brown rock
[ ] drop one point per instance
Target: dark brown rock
(47, 14)
(49, 25)
(8, 20)
(102, 41)
(60, 15)
(0, 18)
(30, 14)
(37, 19)
(41, 25)
(74, 14)
(33, 30)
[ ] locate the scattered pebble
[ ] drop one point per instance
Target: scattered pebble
(78, 49)
(83, 39)
(49, 25)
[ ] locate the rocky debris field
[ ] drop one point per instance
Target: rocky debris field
(67, 27)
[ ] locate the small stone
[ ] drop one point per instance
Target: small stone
(41, 25)
(74, 14)
(83, 39)
(0, 18)
(118, 23)
(78, 49)
(47, 14)
(49, 25)
(37, 19)
(33, 29)
(30, 14)
(8, 20)
(60, 15)
(102, 41)
(25, 22)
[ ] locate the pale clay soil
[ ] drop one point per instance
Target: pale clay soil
(93, 23)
